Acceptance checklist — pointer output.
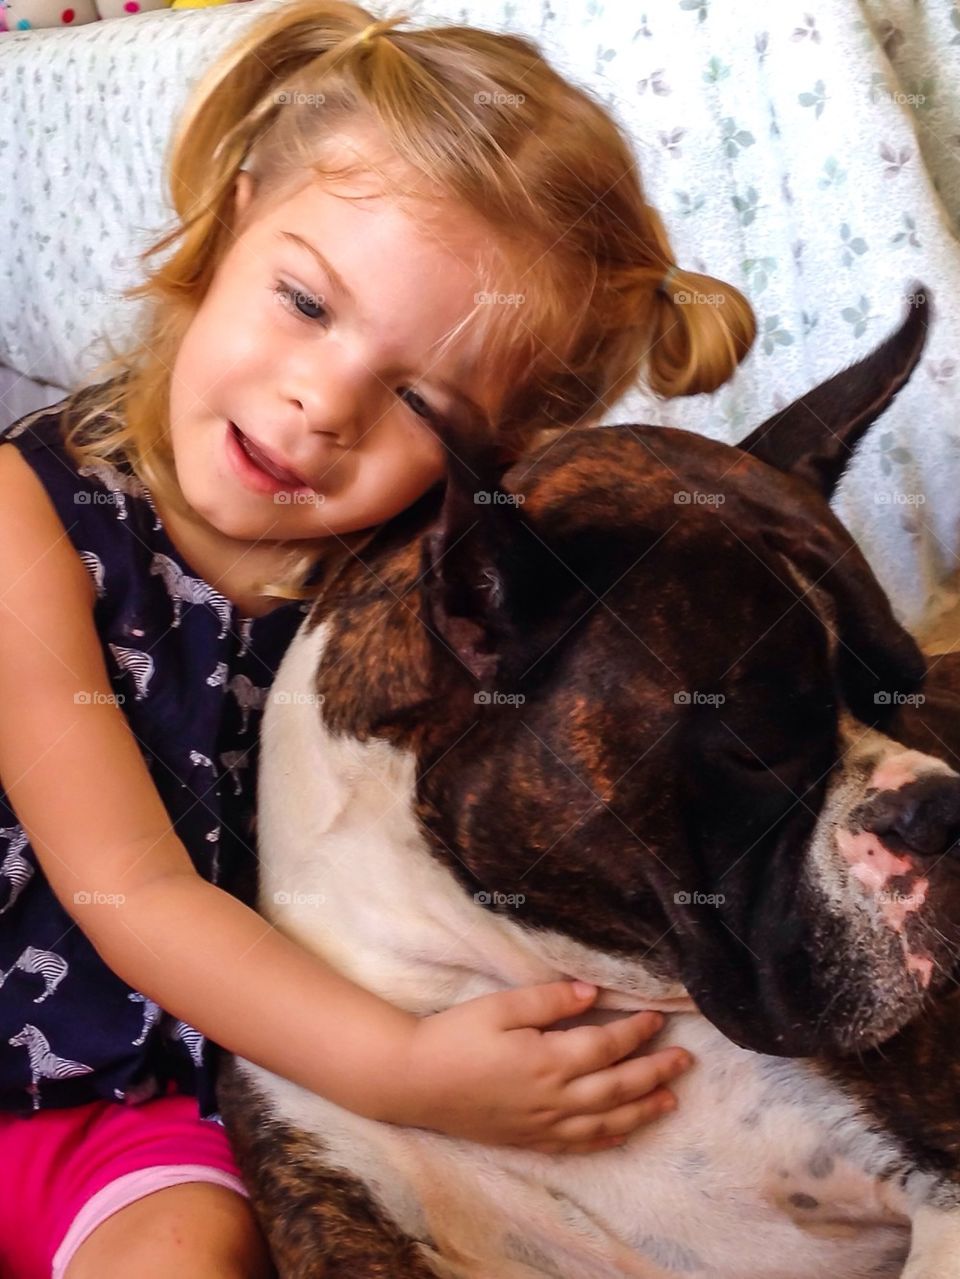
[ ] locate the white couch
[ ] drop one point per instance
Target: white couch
(809, 159)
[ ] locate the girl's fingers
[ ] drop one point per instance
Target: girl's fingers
(583, 1130)
(626, 1082)
(538, 1006)
(586, 1049)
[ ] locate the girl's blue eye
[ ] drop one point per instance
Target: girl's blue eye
(424, 410)
(295, 298)
(291, 298)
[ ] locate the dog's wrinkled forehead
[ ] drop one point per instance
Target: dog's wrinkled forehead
(651, 479)
(700, 549)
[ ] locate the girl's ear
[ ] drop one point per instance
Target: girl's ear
(245, 187)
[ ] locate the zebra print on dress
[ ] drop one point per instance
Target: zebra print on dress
(249, 697)
(15, 866)
(136, 663)
(94, 566)
(191, 1037)
(151, 1015)
(184, 589)
(246, 626)
(203, 761)
(120, 486)
(47, 964)
(44, 1063)
(233, 761)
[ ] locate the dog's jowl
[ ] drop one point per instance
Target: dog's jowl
(643, 717)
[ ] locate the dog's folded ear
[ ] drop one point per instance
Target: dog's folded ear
(814, 437)
(492, 592)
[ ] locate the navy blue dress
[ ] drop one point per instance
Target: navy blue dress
(192, 673)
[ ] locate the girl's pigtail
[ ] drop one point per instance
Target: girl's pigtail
(701, 327)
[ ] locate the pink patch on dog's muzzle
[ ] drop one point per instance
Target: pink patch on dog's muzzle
(897, 770)
(875, 867)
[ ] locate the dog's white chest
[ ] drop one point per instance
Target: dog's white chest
(764, 1171)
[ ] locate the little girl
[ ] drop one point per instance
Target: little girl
(382, 230)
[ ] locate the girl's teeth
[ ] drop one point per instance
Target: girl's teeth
(264, 464)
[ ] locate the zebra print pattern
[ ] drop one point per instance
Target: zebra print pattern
(44, 963)
(151, 1015)
(121, 486)
(15, 866)
(233, 761)
(44, 1063)
(219, 676)
(137, 664)
(184, 589)
(250, 697)
(94, 566)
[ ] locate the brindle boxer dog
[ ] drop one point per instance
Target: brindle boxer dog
(723, 786)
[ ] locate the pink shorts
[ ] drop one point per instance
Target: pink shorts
(64, 1171)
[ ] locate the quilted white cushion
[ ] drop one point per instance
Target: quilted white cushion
(808, 157)
(87, 116)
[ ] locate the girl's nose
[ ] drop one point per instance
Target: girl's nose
(326, 418)
(332, 403)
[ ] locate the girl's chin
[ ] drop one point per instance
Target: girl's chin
(266, 527)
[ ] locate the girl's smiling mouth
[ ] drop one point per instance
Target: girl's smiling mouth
(257, 468)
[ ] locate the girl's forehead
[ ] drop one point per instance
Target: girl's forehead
(365, 198)
(356, 164)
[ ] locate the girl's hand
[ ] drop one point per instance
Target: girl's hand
(485, 1069)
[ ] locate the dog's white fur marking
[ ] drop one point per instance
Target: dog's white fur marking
(765, 1171)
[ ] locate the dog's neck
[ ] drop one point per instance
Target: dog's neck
(364, 650)
(380, 675)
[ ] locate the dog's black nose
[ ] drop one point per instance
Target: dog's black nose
(921, 817)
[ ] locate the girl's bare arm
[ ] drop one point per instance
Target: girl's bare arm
(75, 776)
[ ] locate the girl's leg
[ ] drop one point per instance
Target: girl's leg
(192, 1230)
(150, 1183)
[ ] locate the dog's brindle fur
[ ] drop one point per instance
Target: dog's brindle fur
(452, 594)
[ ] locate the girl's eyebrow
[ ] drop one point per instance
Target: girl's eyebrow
(475, 413)
(321, 262)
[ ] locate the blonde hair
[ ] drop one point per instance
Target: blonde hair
(491, 126)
